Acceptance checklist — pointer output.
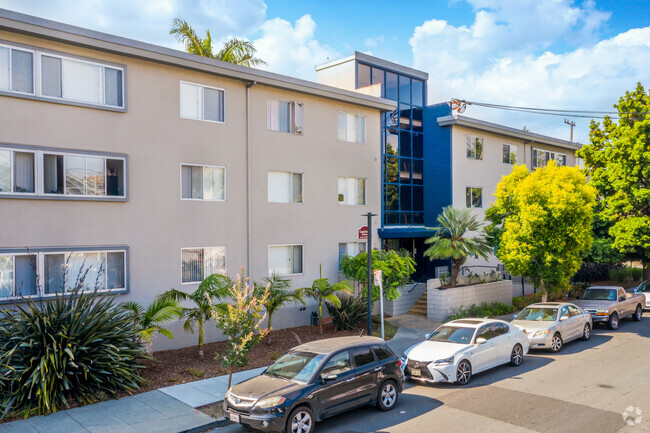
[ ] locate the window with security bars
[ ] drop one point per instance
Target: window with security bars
(199, 263)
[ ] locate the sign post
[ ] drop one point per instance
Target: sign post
(369, 215)
(379, 282)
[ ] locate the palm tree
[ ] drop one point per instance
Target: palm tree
(450, 240)
(215, 286)
(237, 51)
(279, 294)
(324, 292)
(150, 321)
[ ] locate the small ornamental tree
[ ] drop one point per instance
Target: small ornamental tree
(242, 322)
(617, 161)
(396, 268)
(541, 223)
(452, 241)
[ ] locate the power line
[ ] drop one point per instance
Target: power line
(460, 105)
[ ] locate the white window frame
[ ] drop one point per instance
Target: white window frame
(35, 54)
(41, 277)
(202, 102)
(347, 244)
(550, 155)
(225, 177)
(474, 138)
(510, 146)
(225, 262)
(38, 289)
(365, 191)
(41, 177)
(293, 126)
(302, 254)
(12, 160)
(356, 119)
(291, 173)
(471, 197)
(38, 75)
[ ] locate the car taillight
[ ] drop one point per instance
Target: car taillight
(399, 362)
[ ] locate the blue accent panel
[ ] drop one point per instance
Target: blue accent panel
(437, 163)
(397, 232)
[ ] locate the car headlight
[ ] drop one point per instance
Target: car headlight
(445, 361)
(602, 313)
(540, 333)
(268, 402)
(227, 397)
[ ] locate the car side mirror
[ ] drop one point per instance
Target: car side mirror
(481, 340)
(563, 318)
(577, 297)
(514, 316)
(427, 336)
(328, 377)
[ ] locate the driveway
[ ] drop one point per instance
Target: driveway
(585, 388)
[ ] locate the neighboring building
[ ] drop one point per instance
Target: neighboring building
(432, 159)
(163, 167)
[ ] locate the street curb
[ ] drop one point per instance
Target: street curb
(221, 422)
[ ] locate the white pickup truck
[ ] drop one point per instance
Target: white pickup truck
(610, 304)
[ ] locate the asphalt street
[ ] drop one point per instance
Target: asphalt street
(585, 388)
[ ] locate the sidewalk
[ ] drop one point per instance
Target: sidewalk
(412, 330)
(166, 410)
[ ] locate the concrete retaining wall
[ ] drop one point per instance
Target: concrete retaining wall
(410, 293)
(442, 303)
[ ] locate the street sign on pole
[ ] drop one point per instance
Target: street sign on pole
(369, 215)
(362, 233)
(379, 282)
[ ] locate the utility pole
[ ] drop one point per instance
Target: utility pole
(370, 278)
(571, 124)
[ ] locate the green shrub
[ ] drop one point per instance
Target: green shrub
(626, 272)
(483, 310)
(81, 348)
(350, 314)
(521, 302)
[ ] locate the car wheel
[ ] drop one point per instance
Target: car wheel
(301, 420)
(586, 333)
(556, 343)
(638, 314)
(463, 372)
(517, 355)
(613, 321)
(387, 397)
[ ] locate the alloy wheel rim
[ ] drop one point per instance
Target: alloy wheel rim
(638, 313)
(463, 373)
(587, 331)
(516, 356)
(301, 423)
(615, 321)
(388, 395)
(557, 343)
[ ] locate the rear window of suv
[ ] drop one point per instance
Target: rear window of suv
(381, 352)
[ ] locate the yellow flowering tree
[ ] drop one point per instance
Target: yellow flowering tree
(541, 222)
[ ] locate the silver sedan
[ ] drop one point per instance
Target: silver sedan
(549, 325)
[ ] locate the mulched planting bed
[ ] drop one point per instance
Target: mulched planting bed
(172, 367)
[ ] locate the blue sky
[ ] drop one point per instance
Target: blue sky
(562, 54)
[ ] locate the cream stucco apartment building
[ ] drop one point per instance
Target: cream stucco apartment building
(163, 167)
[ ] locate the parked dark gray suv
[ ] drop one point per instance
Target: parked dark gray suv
(317, 380)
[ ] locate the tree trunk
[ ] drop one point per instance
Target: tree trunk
(230, 377)
(268, 337)
(320, 320)
(646, 270)
(200, 340)
(454, 274)
(544, 292)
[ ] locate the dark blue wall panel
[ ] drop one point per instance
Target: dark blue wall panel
(437, 163)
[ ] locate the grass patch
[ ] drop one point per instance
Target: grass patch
(389, 329)
(196, 373)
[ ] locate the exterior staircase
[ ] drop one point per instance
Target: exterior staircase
(420, 307)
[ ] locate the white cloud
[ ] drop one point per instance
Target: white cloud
(292, 50)
(504, 57)
(374, 42)
(149, 20)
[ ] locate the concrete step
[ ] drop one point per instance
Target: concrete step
(418, 313)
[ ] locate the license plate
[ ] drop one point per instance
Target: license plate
(234, 417)
(416, 373)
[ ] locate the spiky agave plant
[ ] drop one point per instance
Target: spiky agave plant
(81, 348)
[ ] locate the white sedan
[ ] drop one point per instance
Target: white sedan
(458, 349)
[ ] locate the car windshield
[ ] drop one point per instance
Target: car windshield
(543, 314)
(299, 366)
(599, 295)
(452, 334)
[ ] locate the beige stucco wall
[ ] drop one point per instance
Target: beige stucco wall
(342, 75)
(487, 173)
(155, 223)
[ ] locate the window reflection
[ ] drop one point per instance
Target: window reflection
(363, 75)
(391, 142)
(391, 85)
(405, 170)
(417, 88)
(405, 198)
(392, 197)
(417, 146)
(404, 89)
(392, 169)
(404, 143)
